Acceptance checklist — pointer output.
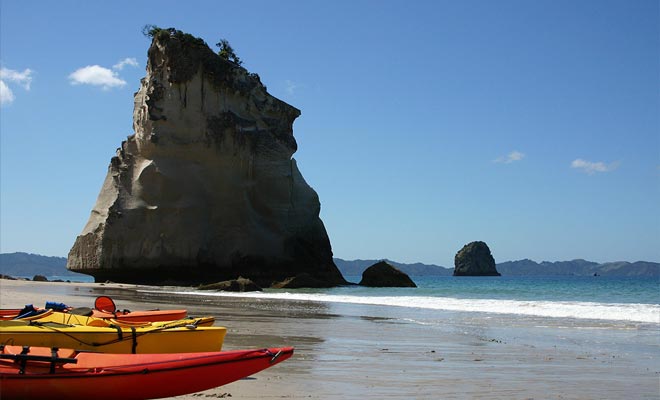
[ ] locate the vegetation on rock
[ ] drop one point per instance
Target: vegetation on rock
(227, 52)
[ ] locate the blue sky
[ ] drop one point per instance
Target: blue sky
(531, 125)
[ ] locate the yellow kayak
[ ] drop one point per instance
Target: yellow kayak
(168, 337)
(76, 319)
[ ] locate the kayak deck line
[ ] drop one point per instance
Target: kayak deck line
(24, 357)
(171, 337)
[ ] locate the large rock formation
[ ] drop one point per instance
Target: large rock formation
(206, 188)
(474, 259)
(383, 274)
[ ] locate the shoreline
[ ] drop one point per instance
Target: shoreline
(362, 351)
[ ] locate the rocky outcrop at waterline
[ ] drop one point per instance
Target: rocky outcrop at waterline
(234, 285)
(383, 274)
(206, 188)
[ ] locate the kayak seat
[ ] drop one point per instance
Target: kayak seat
(84, 311)
(105, 303)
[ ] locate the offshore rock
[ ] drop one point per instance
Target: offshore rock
(475, 259)
(383, 274)
(206, 189)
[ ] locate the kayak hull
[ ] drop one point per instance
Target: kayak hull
(172, 338)
(134, 376)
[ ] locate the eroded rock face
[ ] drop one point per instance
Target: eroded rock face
(383, 274)
(475, 259)
(206, 188)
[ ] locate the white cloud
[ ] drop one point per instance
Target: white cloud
(97, 76)
(22, 78)
(11, 76)
(126, 61)
(290, 86)
(591, 168)
(511, 157)
(6, 95)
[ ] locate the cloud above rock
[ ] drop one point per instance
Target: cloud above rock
(96, 75)
(126, 61)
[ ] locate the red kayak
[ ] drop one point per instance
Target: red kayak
(43, 373)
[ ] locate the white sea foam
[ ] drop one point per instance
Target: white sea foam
(646, 313)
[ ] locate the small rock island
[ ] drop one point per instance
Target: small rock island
(206, 188)
(475, 259)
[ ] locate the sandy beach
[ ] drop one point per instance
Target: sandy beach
(352, 351)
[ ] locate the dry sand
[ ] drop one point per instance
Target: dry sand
(345, 353)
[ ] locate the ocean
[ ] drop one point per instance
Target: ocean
(614, 299)
(619, 300)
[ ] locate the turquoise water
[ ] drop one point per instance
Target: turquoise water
(624, 299)
(72, 278)
(551, 288)
(618, 300)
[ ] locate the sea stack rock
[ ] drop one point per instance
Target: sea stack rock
(206, 188)
(383, 274)
(474, 259)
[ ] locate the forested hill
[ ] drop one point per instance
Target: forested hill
(356, 267)
(579, 267)
(524, 267)
(28, 265)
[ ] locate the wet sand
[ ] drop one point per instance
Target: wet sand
(358, 352)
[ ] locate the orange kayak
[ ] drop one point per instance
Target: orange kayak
(142, 316)
(104, 307)
(128, 317)
(43, 373)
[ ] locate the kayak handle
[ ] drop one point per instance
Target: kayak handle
(275, 356)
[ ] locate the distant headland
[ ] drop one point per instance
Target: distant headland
(524, 267)
(26, 264)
